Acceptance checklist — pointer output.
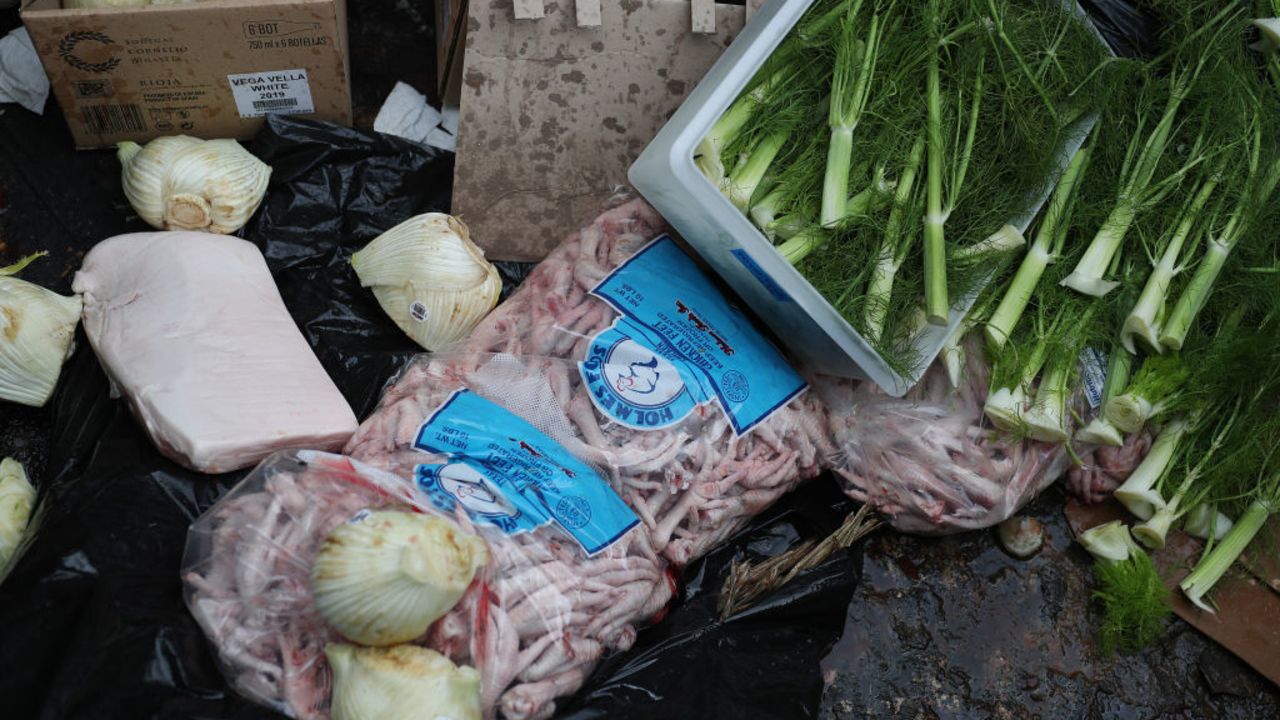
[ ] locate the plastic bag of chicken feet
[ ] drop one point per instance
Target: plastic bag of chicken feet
(932, 463)
(314, 551)
(697, 420)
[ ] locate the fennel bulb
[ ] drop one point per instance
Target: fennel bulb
(37, 334)
(17, 497)
(430, 278)
(1134, 598)
(1204, 521)
(181, 183)
(405, 682)
(383, 577)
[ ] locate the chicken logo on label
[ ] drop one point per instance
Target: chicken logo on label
(633, 384)
(677, 343)
(640, 377)
(455, 484)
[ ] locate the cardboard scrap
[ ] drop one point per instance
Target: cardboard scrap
(1262, 557)
(528, 9)
(704, 16)
(553, 114)
(588, 13)
(1248, 618)
(451, 17)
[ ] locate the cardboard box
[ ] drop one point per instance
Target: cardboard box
(451, 33)
(209, 69)
(553, 111)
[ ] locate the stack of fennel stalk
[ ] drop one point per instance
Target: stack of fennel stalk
(885, 144)
(1158, 249)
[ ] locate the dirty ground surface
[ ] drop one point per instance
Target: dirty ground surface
(939, 628)
(956, 628)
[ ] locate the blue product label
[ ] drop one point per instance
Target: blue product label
(765, 278)
(677, 344)
(504, 472)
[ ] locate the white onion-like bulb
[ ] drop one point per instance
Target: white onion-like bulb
(182, 183)
(385, 576)
(430, 278)
(37, 334)
(405, 682)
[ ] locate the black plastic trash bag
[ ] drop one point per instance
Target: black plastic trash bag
(334, 189)
(1127, 29)
(760, 663)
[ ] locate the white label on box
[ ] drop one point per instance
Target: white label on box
(272, 92)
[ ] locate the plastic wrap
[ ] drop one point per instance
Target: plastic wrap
(652, 374)
(1103, 469)
(333, 190)
(1126, 28)
(929, 461)
(533, 623)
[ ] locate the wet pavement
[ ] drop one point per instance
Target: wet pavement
(956, 628)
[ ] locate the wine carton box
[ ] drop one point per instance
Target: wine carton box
(209, 69)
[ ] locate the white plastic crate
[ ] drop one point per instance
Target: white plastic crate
(811, 329)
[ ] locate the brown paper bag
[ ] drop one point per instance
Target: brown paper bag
(554, 109)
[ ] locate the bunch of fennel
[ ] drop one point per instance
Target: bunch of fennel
(1162, 325)
(1242, 363)
(430, 278)
(37, 334)
(1155, 159)
(1225, 403)
(1035, 371)
(1244, 473)
(885, 146)
(1038, 331)
(1258, 490)
(1229, 196)
(1195, 161)
(1135, 601)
